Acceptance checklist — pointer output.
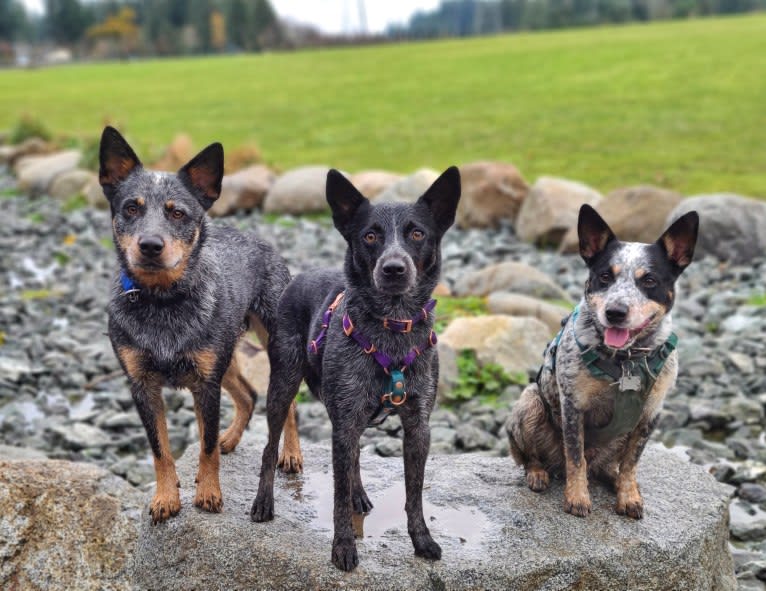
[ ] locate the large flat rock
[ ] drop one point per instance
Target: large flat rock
(494, 532)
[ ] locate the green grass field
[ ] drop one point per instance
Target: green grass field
(679, 104)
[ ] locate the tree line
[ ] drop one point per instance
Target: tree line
(459, 18)
(150, 27)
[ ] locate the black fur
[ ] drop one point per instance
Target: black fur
(392, 265)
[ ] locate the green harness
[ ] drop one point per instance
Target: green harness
(634, 372)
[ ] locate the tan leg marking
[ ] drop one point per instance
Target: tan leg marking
(234, 384)
(208, 496)
(291, 458)
(167, 500)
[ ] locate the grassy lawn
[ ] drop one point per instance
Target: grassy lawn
(680, 104)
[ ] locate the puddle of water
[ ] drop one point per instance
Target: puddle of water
(468, 525)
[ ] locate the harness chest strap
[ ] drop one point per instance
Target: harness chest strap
(396, 393)
(634, 373)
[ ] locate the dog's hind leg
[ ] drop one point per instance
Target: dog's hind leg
(285, 378)
(244, 397)
(533, 441)
(359, 499)
(291, 459)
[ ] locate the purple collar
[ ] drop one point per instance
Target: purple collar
(392, 324)
(383, 359)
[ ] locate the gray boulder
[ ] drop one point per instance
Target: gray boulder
(298, 191)
(635, 214)
(410, 188)
(732, 227)
(492, 192)
(372, 183)
(513, 342)
(515, 304)
(73, 182)
(65, 526)
(512, 277)
(36, 173)
(550, 209)
(243, 190)
(494, 532)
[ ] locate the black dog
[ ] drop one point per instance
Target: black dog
(368, 352)
(185, 295)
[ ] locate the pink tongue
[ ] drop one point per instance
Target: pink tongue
(616, 337)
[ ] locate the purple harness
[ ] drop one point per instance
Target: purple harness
(397, 394)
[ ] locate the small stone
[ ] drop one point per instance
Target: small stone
(389, 447)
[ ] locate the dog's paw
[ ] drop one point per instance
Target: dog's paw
(229, 440)
(630, 505)
(344, 555)
(262, 509)
(290, 463)
(360, 502)
(209, 498)
(426, 547)
(164, 506)
(538, 479)
(577, 505)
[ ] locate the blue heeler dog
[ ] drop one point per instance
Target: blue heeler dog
(367, 352)
(598, 395)
(186, 293)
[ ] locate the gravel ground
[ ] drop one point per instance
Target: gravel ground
(61, 390)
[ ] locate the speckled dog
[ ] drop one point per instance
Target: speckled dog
(364, 344)
(598, 395)
(185, 294)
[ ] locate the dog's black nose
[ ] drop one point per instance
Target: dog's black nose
(616, 313)
(151, 246)
(394, 268)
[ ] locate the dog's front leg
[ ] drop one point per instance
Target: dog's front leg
(417, 440)
(629, 501)
(207, 406)
(147, 394)
(344, 440)
(576, 495)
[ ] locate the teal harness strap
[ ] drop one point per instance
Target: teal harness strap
(633, 373)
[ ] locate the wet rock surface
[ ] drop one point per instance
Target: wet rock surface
(494, 532)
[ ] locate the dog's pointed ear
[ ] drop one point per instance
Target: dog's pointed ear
(679, 240)
(116, 161)
(593, 232)
(344, 199)
(203, 174)
(442, 198)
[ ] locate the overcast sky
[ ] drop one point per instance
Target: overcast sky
(334, 16)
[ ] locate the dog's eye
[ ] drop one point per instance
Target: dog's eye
(131, 209)
(177, 214)
(649, 281)
(370, 237)
(605, 278)
(418, 235)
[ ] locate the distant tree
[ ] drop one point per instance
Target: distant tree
(199, 18)
(239, 25)
(66, 20)
(120, 27)
(13, 21)
(266, 28)
(510, 14)
(217, 30)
